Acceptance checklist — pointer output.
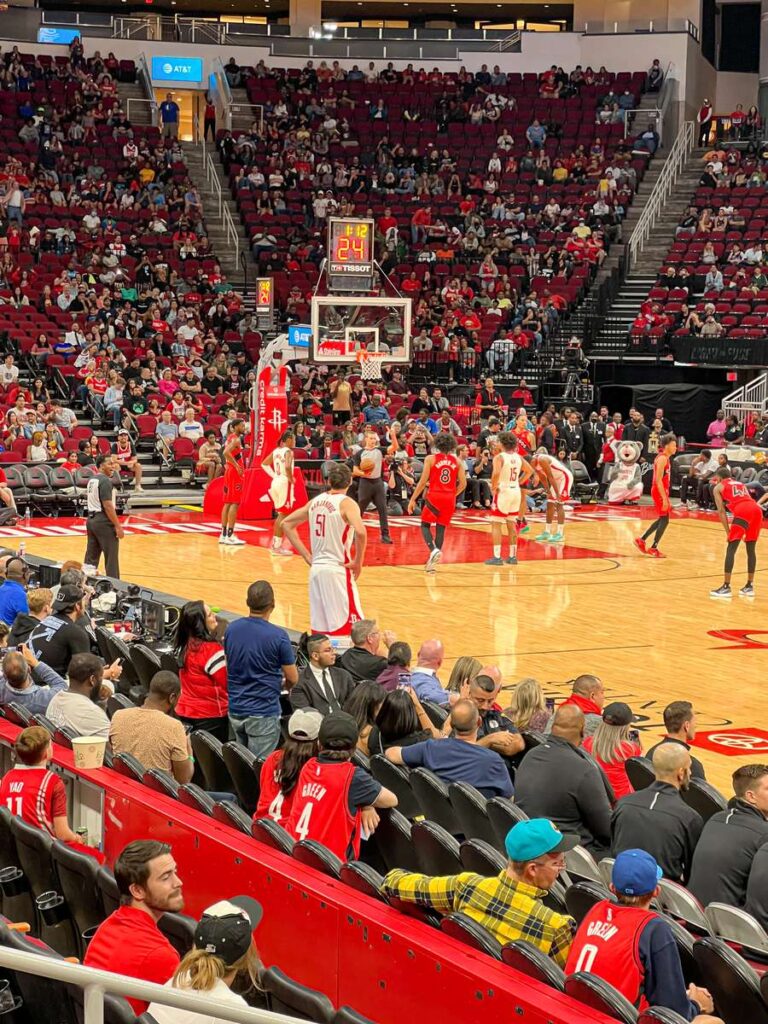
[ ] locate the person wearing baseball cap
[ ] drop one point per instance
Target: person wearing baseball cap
(624, 942)
(336, 801)
(125, 456)
(613, 743)
(280, 772)
(223, 952)
(509, 906)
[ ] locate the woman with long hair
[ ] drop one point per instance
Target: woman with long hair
(401, 721)
(363, 704)
(224, 956)
(280, 772)
(613, 743)
(528, 709)
(204, 702)
(464, 671)
(397, 674)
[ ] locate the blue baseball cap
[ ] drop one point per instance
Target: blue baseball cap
(530, 839)
(635, 873)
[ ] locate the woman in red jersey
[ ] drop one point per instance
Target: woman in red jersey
(204, 702)
(280, 772)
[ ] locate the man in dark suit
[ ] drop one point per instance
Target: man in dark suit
(594, 439)
(322, 685)
(636, 430)
(573, 436)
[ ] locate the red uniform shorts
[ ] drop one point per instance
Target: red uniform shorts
(661, 501)
(233, 486)
(747, 521)
(438, 510)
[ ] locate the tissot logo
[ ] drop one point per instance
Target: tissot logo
(740, 639)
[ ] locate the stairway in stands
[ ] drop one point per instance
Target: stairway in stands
(611, 340)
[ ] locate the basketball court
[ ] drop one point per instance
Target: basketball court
(648, 628)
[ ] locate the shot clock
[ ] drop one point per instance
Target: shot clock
(350, 254)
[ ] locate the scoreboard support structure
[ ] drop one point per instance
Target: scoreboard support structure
(357, 315)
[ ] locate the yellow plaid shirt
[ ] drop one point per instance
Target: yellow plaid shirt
(506, 908)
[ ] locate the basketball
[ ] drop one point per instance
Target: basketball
(367, 465)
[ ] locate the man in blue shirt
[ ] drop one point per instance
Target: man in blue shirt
(424, 679)
(459, 758)
(13, 593)
(375, 412)
(423, 419)
(169, 117)
(29, 682)
(259, 659)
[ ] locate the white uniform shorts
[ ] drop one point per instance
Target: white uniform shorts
(334, 603)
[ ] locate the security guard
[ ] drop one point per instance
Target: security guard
(103, 527)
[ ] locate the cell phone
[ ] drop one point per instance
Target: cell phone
(634, 735)
(550, 704)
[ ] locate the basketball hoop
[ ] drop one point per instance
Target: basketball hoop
(370, 364)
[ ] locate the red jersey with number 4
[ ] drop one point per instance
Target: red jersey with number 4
(606, 944)
(273, 803)
(321, 807)
(734, 493)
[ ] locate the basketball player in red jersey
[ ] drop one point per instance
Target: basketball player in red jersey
(37, 795)
(747, 522)
(443, 478)
(234, 473)
(660, 494)
(335, 800)
(526, 445)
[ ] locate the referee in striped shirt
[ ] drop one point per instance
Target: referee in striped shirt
(509, 906)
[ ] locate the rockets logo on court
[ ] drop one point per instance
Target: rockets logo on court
(733, 742)
(739, 639)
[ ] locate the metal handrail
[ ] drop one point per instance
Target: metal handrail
(145, 80)
(138, 99)
(673, 167)
(212, 179)
(233, 235)
(751, 397)
(95, 983)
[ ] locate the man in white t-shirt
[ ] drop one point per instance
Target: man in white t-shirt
(9, 372)
(190, 428)
(76, 708)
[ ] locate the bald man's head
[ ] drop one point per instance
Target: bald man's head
(591, 688)
(465, 719)
(568, 724)
(672, 764)
(494, 672)
(430, 654)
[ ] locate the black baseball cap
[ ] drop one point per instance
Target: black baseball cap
(339, 727)
(618, 713)
(68, 596)
(226, 929)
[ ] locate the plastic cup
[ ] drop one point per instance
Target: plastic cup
(89, 751)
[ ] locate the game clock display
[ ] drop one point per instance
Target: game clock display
(350, 252)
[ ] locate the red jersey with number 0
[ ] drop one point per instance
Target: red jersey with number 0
(443, 476)
(34, 794)
(735, 493)
(607, 944)
(321, 807)
(273, 803)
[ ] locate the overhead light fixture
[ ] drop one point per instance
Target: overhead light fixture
(330, 26)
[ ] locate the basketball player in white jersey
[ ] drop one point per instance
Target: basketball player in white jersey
(510, 470)
(279, 466)
(335, 524)
(557, 480)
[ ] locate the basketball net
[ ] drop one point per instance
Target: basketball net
(370, 364)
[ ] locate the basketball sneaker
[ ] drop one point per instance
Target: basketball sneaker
(722, 592)
(544, 536)
(640, 544)
(434, 557)
(654, 553)
(747, 590)
(235, 541)
(223, 538)
(494, 561)
(511, 560)
(556, 538)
